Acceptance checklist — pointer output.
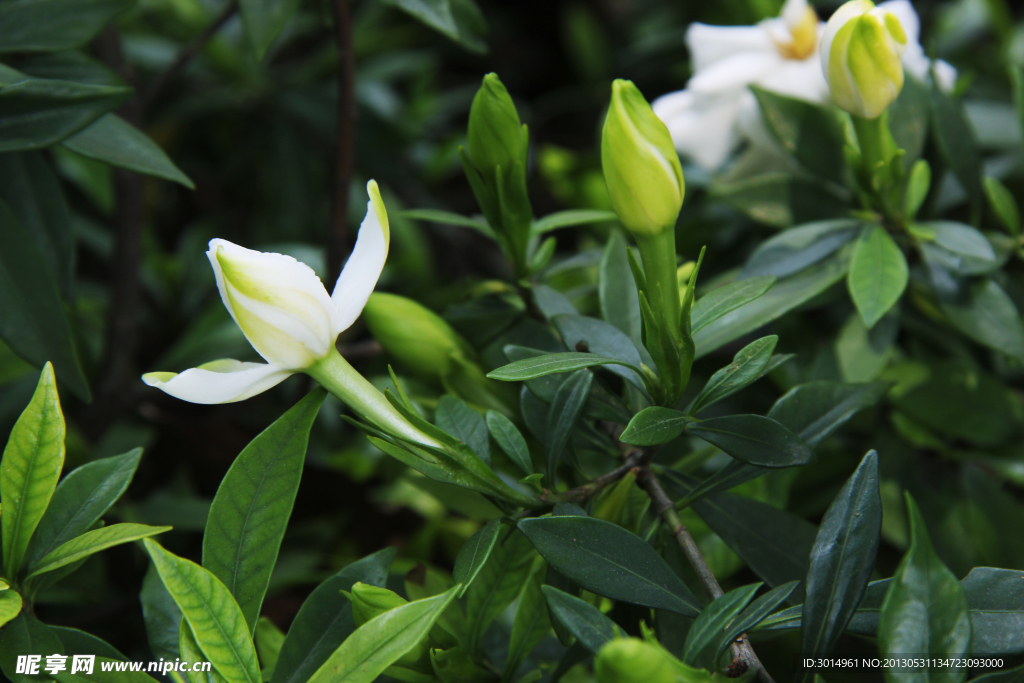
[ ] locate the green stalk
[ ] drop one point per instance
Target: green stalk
(878, 149)
(658, 253)
(338, 377)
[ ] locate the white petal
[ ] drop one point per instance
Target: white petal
(704, 128)
(735, 72)
(361, 272)
(801, 79)
(945, 75)
(222, 381)
(793, 12)
(278, 302)
(710, 44)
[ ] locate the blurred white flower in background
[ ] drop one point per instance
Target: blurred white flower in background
(717, 111)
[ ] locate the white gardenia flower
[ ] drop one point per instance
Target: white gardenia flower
(717, 111)
(283, 310)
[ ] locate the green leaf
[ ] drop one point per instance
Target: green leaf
(753, 615)
(325, 619)
(81, 643)
(842, 559)
(113, 140)
(878, 274)
(863, 354)
(570, 218)
(748, 365)
(25, 635)
(531, 621)
(732, 475)
(925, 610)
(465, 424)
(616, 289)
(448, 218)
(32, 192)
(957, 143)
(81, 498)
(988, 315)
(37, 113)
(1014, 675)
(917, 188)
(587, 623)
(970, 252)
(510, 440)
(32, 318)
(162, 616)
(608, 560)
(783, 199)
(996, 599)
(211, 613)
(31, 465)
(268, 640)
(459, 20)
(707, 627)
(754, 439)
(798, 248)
(264, 20)
(191, 652)
(92, 542)
(816, 409)
(908, 119)
(655, 425)
(783, 297)
(808, 132)
(549, 364)
(726, 299)
(380, 642)
(565, 410)
(253, 503)
(604, 339)
(1003, 205)
(51, 25)
(474, 553)
(497, 583)
(10, 606)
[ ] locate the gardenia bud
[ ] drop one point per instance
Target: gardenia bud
(860, 55)
(496, 137)
(630, 660)
(641, 167)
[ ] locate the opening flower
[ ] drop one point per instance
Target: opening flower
(284, 311)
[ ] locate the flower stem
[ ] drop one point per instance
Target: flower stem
(878, 149)
(336, 375)
(658, 253)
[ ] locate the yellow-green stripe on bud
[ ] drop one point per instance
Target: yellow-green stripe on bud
(496, 136)
(860, 55)
(630, 660)
(641, 167)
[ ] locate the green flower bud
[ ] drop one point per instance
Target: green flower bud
(860, 55)
(419, 338)
(641, 167)
(631, 660)
(496, 136)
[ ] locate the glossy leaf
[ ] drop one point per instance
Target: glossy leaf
(584, 621)
(380, 642)
(497, 583)
(753, 615)
(50, 25)
(604, 339)
(113, 140)
(474, 553)
(996, 599)
(531, 621)
(754, 439)
(325, 619)
(264, 20)
(748, 365)
(80, 499)
(465, 424)
(10, 606)
(810, 133)
(31, 465)
(617, 290)
(727, 298)
(842, 559)
(212, 614)
(925, 609)
(549, 364)
(987, 315)
(459, 20)
(795, 249)
(707, 627)
(816, 409)
(878, 274)
(608, 560)
(565, 410)
(570, 218)
(92, 542)
(510, 440)
(161, 615)
(25, 635)
(655, 425)
(253, 503)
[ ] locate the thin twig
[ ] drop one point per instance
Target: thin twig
(186, 55)
(344, 154)
(743, 654)
(631, 461)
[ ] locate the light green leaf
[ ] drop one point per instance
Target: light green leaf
(93, 542)
(115, 141)
(253, 503)
(380, 642)
(31, 465)
(212, 614)
(10, 606)
(1003, 205)
(878, 274)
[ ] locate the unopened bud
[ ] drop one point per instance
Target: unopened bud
(496, 136)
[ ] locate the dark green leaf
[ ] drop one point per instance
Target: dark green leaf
(617, 290)
(925, 610)
(996, 599)
(783, 199)
(878, 274)
(570, 218)
(959, 147)
(32, 317)
(113, 140)
(863, 354)
(987, 315)
(549, 364)
(474, 553)
(459, 20)
(726, 299)
(798, 248)
(816, 409)
(590, 626)
(608, 560)
(465, 424)
(448, 218)
(601, 338)
(264, 20)
(25, 635)
(809, 132)
(704, 635)
(497, 583)
(748, 365)
(253, 503)
(510, 440)
(842, 559)
(31, 465)
(655, 425)
(909, 118)
(753, 615)
(733, 474)
(1014, 675)
(81, 643)
(531, 621)
(162, 616)
(80, 500)
(50, 25)
(325, 619)
(754, 439)
(565, 410)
